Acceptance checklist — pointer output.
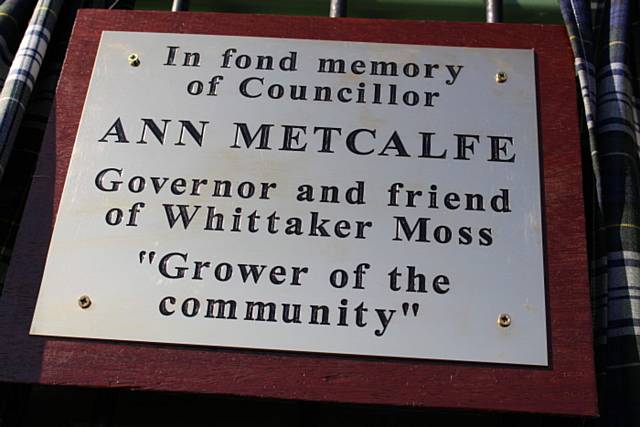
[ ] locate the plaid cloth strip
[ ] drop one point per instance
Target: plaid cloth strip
(23, 74)
(14, 15)
(606, 52)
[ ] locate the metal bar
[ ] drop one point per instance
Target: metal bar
(338, 8)
(494, 11)
(180, 5)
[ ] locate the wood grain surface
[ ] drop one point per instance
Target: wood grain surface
(567, 386)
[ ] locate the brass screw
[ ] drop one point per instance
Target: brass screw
(501, 77)
(84, 302)
(504, 320)
(134, 60)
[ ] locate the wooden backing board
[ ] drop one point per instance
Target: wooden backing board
(567, 386)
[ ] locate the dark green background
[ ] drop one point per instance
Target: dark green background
(530, 11)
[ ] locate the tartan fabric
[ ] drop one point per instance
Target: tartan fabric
(24, 72)
(606, 46)
(14, 15)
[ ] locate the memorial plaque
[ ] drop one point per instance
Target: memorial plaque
(356, 198)
(358, 211)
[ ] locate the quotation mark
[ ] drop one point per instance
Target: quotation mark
(414, 307)
(151, 255)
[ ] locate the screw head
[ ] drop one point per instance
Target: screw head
(501, 77)
(84, 302)
(134, 60)
(504, 320)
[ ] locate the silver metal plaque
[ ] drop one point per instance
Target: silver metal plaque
(303, 195)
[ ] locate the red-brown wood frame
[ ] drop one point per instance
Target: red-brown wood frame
(567, 386)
